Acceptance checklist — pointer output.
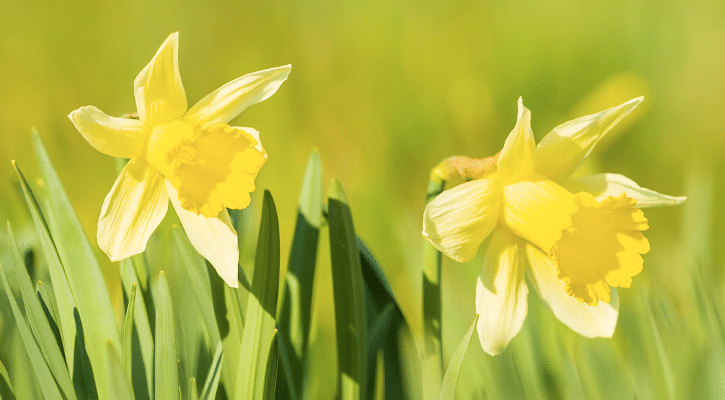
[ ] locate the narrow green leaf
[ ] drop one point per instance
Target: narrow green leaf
(296, 307)
(63, 296)
(128, 334)
(433, 348)
(212, 379)
(142, 342)
(260, 322)
(85, 277)
(166, 377)
(270, 376)
(39, 324)
(195, 267)
(51, 313)
(193, 393)
(40, 368)
(231, 327)
(348, 291)
(448, 391)
(118, 380)
(6, 387)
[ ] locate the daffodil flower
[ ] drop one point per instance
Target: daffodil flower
(191, 157)
(575, 239)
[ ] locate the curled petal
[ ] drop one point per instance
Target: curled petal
(563, 149)
(116, 137)
(586, 320)
(517, 156)
(132, 210)
(160, 96)
(214, 238)
(501, 292)
(225, 103)
(603, 185)
(460, 219)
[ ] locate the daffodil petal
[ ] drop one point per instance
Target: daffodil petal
(225, 103)
(116, 137)
(214, 238)
(501, 292)
(603, 185)
(563, 149)
(586, 320)
(517, 156)
(160, 96)
(537, 209)
(460, 219)
(132, 210)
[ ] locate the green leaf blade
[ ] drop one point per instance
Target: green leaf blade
(448, 391)
(260, 324)
(166, 375)
(296, 307)
(85, 278)
(348, 292)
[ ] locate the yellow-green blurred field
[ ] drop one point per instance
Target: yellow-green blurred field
(385, 90)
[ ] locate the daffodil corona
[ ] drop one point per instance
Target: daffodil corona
(575, 239)
(191, 157)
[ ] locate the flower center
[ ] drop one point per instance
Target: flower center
(211, 167)
(602, 247)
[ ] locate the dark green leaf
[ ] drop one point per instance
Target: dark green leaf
(212, 380)
(260, 322)
(296, 307)
(348, 290)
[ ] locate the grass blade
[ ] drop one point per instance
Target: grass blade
(348, 291)
(128, 333)
(259, 325)
(63, 296)
(270, 376)
(51, 314)
(6, 388)
(119, 381)
(212, 380)
(448, 391)
(296, 307)
(166, 375)
(85, 277)
(39, 324)
(433, 344)
(40, 368)
(142, 379)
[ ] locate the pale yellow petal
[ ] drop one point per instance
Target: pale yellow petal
(562, 150)
(517, 156)
(603, 185)
(501, 292)
(586, 320)
(214, 238)
(460, 219)
(225, 103)
(537, 209)
(132, 210)
(160, 96)
(116, 137)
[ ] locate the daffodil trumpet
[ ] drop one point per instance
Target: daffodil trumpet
(574, 240)
(193, 158)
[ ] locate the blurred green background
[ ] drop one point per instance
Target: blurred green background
(385, 90)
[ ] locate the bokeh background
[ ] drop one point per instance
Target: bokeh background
(387, 89)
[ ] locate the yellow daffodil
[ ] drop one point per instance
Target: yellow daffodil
(191, 157)
(575, 239)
